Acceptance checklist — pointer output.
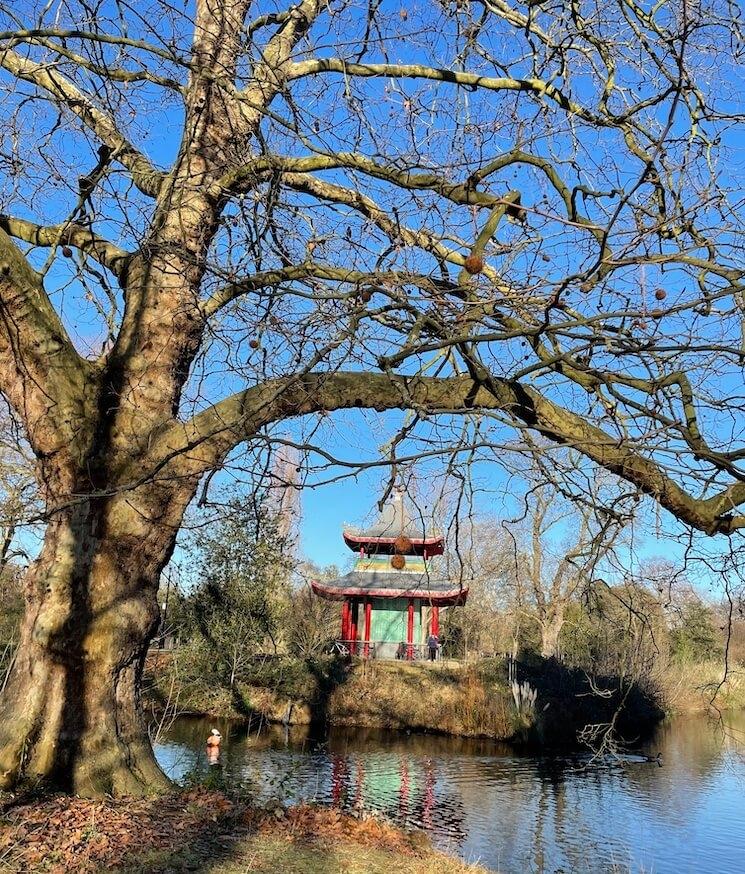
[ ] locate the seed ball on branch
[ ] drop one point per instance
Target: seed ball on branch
(403, 15)
(398, 562)
(660, 294)
(67, 251)
(474, 264)
(366, 295)
(402, 544)
(254, 344)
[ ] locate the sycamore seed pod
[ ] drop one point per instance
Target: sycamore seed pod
(474, 264)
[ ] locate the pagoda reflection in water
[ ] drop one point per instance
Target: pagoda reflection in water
(400, 787)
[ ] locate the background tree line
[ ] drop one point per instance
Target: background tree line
(538, 586)
(543, 586)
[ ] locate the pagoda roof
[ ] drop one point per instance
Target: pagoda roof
(395, 520)
(374, 577)
(360, 540)
(392, 584)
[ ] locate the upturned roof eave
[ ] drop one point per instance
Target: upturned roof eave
(442, 598)
(434, 545)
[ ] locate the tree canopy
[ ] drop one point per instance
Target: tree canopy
(499, 217)
(534, 203)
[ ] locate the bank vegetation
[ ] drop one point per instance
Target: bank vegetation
(247, 638)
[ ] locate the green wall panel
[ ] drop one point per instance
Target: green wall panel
(389, 618)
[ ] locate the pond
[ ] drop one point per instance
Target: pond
(514, 813)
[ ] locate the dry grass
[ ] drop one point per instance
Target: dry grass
(697, 687)
(465, 700)
(268, 855)
(455, 700)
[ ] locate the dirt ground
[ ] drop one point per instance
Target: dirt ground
(202, 830)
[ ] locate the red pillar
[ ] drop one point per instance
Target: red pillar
(345, 620)
(368, 618)
(410, 631)
(353, 626)
(435, 624)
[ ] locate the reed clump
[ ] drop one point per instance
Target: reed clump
(693, 687)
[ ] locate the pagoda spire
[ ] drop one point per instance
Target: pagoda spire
(394, 525)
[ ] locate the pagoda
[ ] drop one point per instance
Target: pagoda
(392, 596)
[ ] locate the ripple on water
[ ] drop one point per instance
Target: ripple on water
(517, 813)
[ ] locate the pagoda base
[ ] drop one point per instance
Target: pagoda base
(387, 628)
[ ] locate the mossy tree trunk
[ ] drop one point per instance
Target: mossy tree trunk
(70, 713)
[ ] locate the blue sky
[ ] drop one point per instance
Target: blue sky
(353, 435)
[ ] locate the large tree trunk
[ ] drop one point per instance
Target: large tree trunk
(70, 714)
(550, 631)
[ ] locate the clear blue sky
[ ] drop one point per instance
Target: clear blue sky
(351, 434)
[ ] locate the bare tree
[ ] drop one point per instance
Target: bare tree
(18, 494)
(215, 222)
(312, 623)
(481, 557)
(557, 572)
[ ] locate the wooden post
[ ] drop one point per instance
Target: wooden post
(368, 618)
(353, 628)
(410, 631)
(345, 620)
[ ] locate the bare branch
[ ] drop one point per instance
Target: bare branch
(58, 87)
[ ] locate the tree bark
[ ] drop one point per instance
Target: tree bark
(550, 631)
(70, 715)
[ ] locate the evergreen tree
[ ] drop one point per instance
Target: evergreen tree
(236, 607)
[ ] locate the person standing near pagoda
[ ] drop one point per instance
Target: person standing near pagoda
(433, 644)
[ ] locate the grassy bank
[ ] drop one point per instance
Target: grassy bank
(209, 832)
(701, 686)
(467, 700)
(464, 700)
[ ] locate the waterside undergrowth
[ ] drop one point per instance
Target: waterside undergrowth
(465, 699)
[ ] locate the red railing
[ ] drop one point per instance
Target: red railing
(381, 649)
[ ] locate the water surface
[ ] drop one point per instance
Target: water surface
(516, 813)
